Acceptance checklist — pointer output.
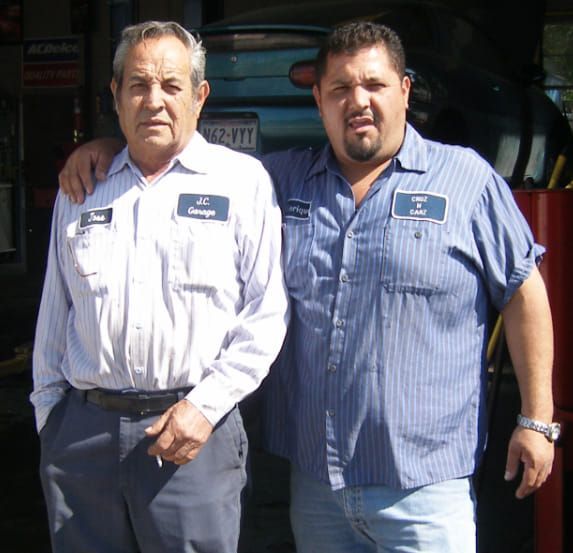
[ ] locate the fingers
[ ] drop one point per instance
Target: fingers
(75, 178)
(102, 164)
(512, 464)
(158, 425)
(181, 433)
(187, 452)
(71, 185)
(532, 480)
(536, 453)
(94, 158)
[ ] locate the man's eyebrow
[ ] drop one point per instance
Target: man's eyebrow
(340, 81)
(138, 77)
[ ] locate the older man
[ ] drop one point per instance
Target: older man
(163, 306)
(395, 248)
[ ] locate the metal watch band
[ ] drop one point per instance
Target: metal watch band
(550, 431)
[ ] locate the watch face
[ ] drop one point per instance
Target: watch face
(554, 431)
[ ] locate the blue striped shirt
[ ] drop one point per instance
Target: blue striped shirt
(167, 284)
(383, 377)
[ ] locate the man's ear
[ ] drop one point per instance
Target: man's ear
(113, 87)
(316, 94)
(201, 95)
(406, 88)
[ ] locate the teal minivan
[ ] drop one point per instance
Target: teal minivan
(260, 67)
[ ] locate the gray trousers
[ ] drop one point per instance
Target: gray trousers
(105, 494)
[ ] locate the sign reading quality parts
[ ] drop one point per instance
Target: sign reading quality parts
(52, 62)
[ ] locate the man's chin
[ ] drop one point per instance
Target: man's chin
(362, 147)
(157, 140)
(362, 152)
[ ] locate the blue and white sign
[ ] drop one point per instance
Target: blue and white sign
(206, 207)
(420, 206)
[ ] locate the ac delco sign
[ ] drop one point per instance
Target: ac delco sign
(51, 62)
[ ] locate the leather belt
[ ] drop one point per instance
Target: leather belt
(135, 402)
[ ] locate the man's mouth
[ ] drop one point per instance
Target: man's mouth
(153, 123)
(360, 123)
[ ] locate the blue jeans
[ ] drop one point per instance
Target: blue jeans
(439, 518)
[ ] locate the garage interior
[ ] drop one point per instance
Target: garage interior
(44, 115)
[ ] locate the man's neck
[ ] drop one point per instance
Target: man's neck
(153, 166)
(361, 177)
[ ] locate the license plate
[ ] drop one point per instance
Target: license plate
(238, 134)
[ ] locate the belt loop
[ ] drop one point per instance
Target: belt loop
(81, 394)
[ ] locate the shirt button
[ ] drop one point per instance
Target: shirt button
(349, 234)
(138, 370)
(344, 278)
(418, 234)
(339, 323)
(330, 412)
(332, 368)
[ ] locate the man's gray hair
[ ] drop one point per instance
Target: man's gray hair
(148, 30)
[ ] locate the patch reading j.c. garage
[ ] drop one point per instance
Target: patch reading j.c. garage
(96, 217)
(297, 209)
(420, 206)
(205, 207)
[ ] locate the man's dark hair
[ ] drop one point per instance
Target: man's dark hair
(349, 38)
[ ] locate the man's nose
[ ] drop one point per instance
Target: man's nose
(359, 98)
(154, 97)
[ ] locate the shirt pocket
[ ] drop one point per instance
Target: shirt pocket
(414, 255)
(91, 253)
(201, 258)
(297, 244)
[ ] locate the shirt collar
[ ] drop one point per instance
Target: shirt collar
(412, 155)
(195, 157)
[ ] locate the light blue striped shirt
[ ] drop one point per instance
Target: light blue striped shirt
(383, 378)
(166, 284)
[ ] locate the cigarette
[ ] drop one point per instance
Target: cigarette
(159, 461)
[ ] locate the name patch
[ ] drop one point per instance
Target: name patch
(420, 206)
(96, 217)
(297, 209)
(205, 207)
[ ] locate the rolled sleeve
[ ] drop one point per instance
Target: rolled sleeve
(506, 248)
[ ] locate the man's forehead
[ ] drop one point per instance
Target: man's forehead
(158, 55)
(375, 52)
(163, 68)
(368, 61)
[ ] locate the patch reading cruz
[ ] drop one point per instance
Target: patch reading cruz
(96, 217)
(205, 207)
(420, 206)
(297, 209)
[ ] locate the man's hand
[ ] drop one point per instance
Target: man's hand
(181, 433)
(76, 176)
(536, 453)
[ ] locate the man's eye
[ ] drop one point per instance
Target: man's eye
(172, 88)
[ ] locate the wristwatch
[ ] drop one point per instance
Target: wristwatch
(550, 431)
